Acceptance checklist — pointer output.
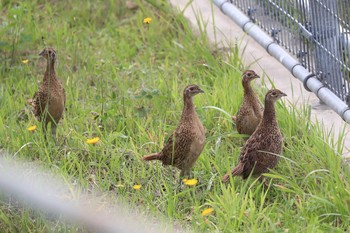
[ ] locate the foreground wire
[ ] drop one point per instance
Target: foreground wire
(33, 186)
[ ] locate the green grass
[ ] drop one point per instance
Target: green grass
(124, 83)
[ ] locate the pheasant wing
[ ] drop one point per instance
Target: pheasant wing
(39, 104)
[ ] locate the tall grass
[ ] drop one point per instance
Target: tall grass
(124, 83)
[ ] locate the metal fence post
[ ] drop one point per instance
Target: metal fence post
(326, 34)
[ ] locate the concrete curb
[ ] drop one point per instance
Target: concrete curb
(223, 32)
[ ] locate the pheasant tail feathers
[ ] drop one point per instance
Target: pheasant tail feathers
(238, 170)
(155, 156)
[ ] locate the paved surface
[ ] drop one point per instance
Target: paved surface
(222, 31)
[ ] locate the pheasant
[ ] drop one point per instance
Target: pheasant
(50, 100)
(187, 142)
(250, 112)
(260, 152)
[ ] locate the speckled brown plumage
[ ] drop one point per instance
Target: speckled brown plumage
(187, 142)
(50, 100)
(259, 153)
(250, 112)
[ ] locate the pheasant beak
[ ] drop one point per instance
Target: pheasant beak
(257, 76)
(42, 53)
(200, 91)
(283, 94)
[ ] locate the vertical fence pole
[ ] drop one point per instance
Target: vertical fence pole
(326, 34)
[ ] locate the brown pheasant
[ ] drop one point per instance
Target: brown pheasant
(187, 142)
(250, 112)
(50, 100)
(259, 154)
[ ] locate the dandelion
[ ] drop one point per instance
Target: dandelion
(190, 182)
(207, 212)
(137, 186)
(25, 61)
(147, 20)
(31, 128)
(93, 140)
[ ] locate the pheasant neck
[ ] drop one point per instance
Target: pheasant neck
(189, 109)
(246, 85)
(269, 116)
(250, 97)
(248, 91)
(50, 70)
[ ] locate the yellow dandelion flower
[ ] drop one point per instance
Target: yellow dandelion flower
(191, 182)
(137, 186)
(147, 20)
(207, 212)
(25, 61)
(93, 140)
(184, 180)
(31, 128)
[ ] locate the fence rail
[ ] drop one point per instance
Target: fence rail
(315, 32)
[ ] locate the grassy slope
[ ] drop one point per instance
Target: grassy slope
(124, 82)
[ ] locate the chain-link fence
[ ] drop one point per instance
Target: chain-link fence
(316, 32)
